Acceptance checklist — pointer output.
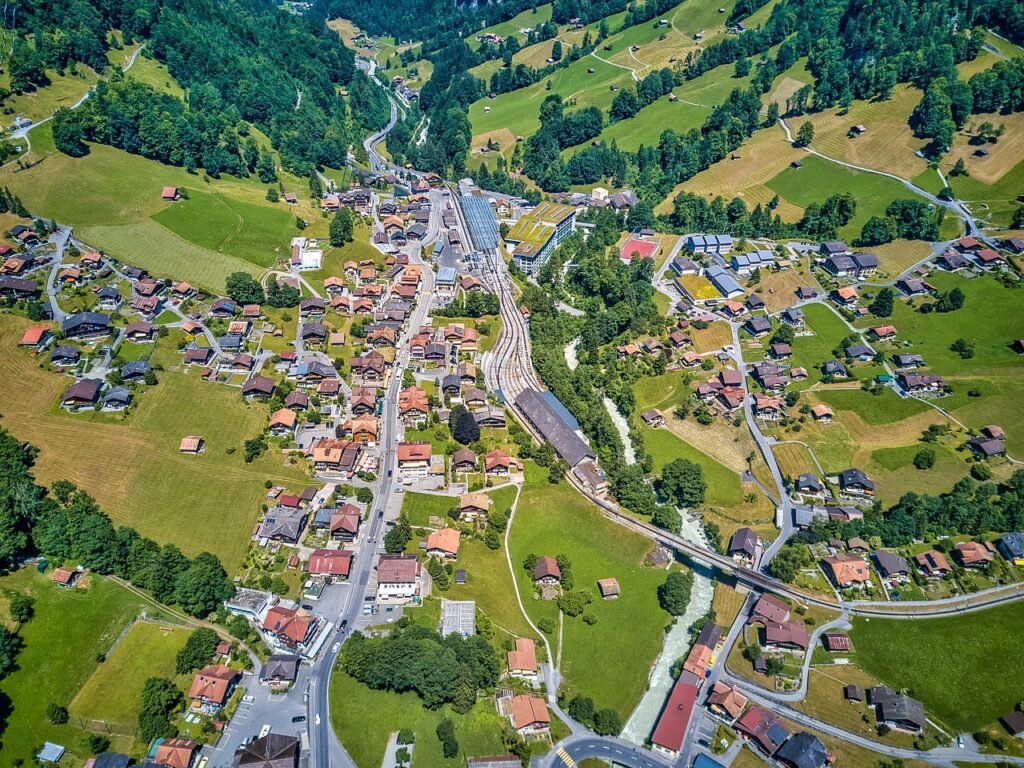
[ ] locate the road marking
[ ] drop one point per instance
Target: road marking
(565, 758)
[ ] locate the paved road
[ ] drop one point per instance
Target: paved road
(610, 749)
(60, 240)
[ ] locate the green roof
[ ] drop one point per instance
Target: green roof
(538, 225)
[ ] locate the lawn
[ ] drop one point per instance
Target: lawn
(946, 662)
(811, 352)
(553, 520)
(111, 693)
(490, 585)
(509, 27)
(818, 178)
(794, 459)
(723, 483)
(62, 641)
(663, 392)
(420, 507)
(364, 718)
(886, 408)
(132, 466)
(123, 193)
(256, 233)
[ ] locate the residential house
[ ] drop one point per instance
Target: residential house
(282, 524)
(921, 383)
(846, 296)
(413, 407)
(897, 710)
(743, 545)
(769, 609)
(763, 728)
(855, 483)
(175, 752)
(84, 393)
(972, 554)
(282, 422)
(497, 462)
(444, 543)
(529, 715)
(258, 387)
(703, 650)
(274, 750)
(809, 485)
(399, 578)
(291, 628)
(546, 572)
(414, 459)
(212, 687)
(758, 326)
(281, 668)
(464, 460)
(987, 447)
(86, 325)
(117, 399)
(846, 570)
(933, 564)
(344, 523)
(725, 701)
(522, 661)
(803, 750)
(1011, 546)
(473, 506)
(332, 564)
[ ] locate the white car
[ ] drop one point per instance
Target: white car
(264, 730)
(336, 647)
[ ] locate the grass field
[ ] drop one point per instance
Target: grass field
(553, 520)
(111, 693)
(363, 720)
(794, 459)
(818, 179)
(63, 91)
(762, 157)
(712, 338)
(945, 662)
(245, 230)
(123, 193)
(509, 27)
(133, 467)
(876, 410)
(154, 74)
(420, 507)
(811, 352)
(62, 641)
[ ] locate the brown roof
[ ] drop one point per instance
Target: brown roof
(496, 458)
(972, 553)
(529, 710)
(212, 683)
(836, 641)
(190, 443)
(727, 698)
(546, 567)
(475, 500)
(283, 418)
(292, 623)
(524, 657)
(63, 576)
(397, 569)
(847, 569)
(608, 587)
(175, 753)
(790, 633)
(769, 608)
(446, 540)
(933, 562)
(414, 452)
(330, 562)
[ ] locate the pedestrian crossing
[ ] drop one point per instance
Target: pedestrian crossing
(565, 758)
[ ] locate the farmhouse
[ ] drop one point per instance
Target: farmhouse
(763, 728)
(529, 715)
(743, 544)
(82, 394)
(789, 636)
(726, 701)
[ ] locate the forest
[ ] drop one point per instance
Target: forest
(240, 60)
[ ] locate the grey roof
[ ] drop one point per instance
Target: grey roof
(855, 476)
(111, 760)
(803, 750)
(892, 707)
(793, 315)
(758, 325)
(865, 260)
(135, 368)
(65, 352)
(281, 667)
(808, 482)
(859, 350)
(890, 563)
(118, 395)
(230, 341)
(744, 540)
(1012, 544)
(275, 750)
(85, 318)
(283, 523)
(451, 381)
(833, 246)
(108, 292)
(565, 441)
(834, 367)
(723, 281)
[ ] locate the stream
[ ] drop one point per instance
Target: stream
(573, 361)
(677, 643)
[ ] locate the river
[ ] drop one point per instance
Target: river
(573, 361)
(677, 643)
